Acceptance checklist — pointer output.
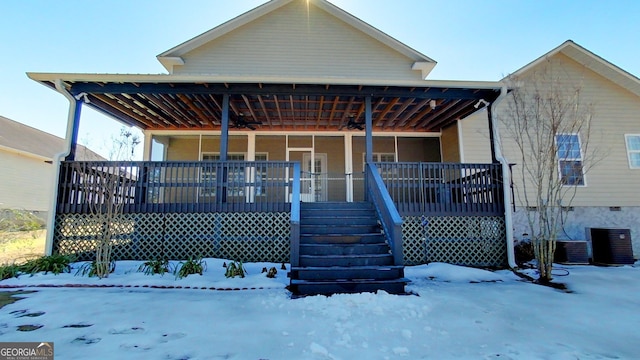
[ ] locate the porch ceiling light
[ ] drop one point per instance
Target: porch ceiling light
(432, 104)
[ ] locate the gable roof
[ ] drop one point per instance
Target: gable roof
(26, 140)
(172, 56)
(591, 61)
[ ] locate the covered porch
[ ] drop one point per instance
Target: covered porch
(228, 164)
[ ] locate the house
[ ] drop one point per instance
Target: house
(294, 132)
(26, 155)
(606, 174)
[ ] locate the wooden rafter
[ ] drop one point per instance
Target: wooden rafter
(402, 121)
(425, 122)
(320, 111)
(264, 110)
(385, 111)
(345, 113)
(397, 113)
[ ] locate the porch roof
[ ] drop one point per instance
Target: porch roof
(170, 102)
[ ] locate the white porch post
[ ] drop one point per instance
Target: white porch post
(251, 171)
(348, 165)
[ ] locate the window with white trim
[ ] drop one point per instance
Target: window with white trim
(381, 157)
(236, 175)
(633, 150)
(570, 159)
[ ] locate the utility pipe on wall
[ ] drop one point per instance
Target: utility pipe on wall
(73, 119)
(506, 177)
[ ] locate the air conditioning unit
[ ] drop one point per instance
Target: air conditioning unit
(571, 252)
(611, 246)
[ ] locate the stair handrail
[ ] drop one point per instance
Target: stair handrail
(387, 211)
(295, 217)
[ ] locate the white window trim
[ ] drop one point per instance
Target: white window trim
(581, 159)
(376, 158)
(629, 151)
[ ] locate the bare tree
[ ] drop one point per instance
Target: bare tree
(106, 188)
(549, 123)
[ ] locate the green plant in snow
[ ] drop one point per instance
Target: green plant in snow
(9, 271)
(235, 268)
(155, 266)
(191, 266)
(55, 263)
(91, 269)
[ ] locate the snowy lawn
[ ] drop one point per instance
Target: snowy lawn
(458, 313)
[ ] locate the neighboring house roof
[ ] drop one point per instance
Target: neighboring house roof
(172, 56)
(590, 61)
(20, 138)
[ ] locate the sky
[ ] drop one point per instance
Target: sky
(470, 40)
(454, 313)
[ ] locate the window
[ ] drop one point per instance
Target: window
(633, 150)
(235, 176)
(385, 171)
(570, 159)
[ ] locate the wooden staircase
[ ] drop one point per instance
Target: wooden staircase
(343, 250)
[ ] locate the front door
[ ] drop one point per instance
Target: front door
(316, 175)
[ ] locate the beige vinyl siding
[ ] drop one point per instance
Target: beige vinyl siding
(450, 144)
(610, 181)
(26, 182)
(418, 149)
(475, 138)
(295, 43)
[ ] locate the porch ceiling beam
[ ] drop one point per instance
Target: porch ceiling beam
(141, 110)
(277, 103)
(154, 101)
(345, 113)
(248, 103)
(332, 114)
(99, 105)
(293, 112)
(397, 113)
(266, 113)
(285, 89)
(420, 116)
(386, 110)
(320, 111)
(444, 109)
(112, 100)
(207, 106)
(199, 113)
(410, 113)
(173, 104)
(458, 112)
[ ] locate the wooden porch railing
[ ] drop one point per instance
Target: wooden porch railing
(444, 188)
(389, 216)
(157, 187)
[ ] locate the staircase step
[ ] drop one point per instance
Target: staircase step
(306, 213)
(307, 287)
(336, 205)
(346, 260)
(347, 273)
(338, 229)
(374, 238)
(340, 220)
(343, 249)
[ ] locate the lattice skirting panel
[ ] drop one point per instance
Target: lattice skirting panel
(258, 236)
(461, 240)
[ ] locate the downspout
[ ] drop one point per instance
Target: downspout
(506, 178)
(74, 114)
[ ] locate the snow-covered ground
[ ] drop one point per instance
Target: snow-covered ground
(457, 313)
